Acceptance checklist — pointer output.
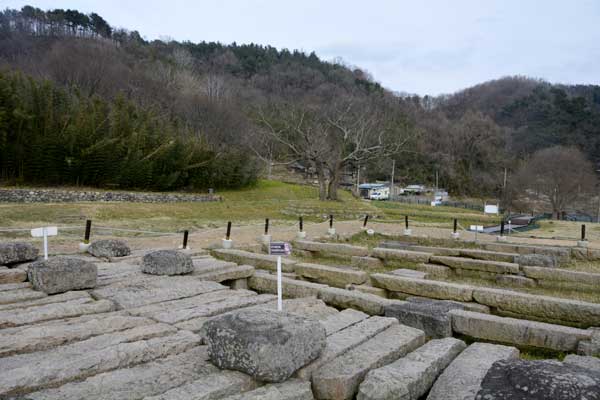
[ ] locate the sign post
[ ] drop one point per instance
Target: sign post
(279, 249)
(45, 232)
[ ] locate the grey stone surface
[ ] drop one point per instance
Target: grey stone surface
(496, 267)
(61, 274)
(137, 382)
(539, 380)
(431, 316)
(462, 379)
(18, 295)
(333, 276)
(366, 263)
(292, 389)
(562, 275)
(267, 283)
(401, 255)
(331, 248)
(17, 252)
(29, 372)
(412, 376)
(583, 361)
(537, 260)
(257, 260)
(167, 262)
(423, 287)
(12, 275)
(519, 332)
(342, 298)
(488, 255)
(342, 341)
(342, 320)
(57, 298)
(109, 248)
(340, 378)
(515, 281)
(68, 196)
(409, 273)
(269, 346)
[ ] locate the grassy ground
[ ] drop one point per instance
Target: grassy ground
(563, 229)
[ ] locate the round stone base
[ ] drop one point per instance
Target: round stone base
(331, 231)
(265, 239)
(301, 235)
(227, 243)
(455, 235)
(582, 243)
(407, 232)
(501, 238)
(370, 232)
(83, 247)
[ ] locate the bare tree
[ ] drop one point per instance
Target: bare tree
(558, 175)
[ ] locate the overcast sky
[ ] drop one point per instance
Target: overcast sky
(424, 47)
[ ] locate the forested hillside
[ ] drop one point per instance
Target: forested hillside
(84, 103)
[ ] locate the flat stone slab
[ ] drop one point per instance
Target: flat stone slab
(56, 298)
(340, 378)
(434, 270)
(517, 331)
(4, 287)
(496, 267)
(17, 252)
(136, 293)
(108, 248)
(292, 389)
(342, 341)
(342, 320)
(331, 248)
(137, 382)
(15, 296)
(333, 276)
(540, 260)
(461, 380)
(167, 262)
(266, 283)
(515, 281)
(257, 260)
(366, 263)
(12, 275)
(411, 376)
(269, 346)
(400, 255)
(30, 338)
(562, 275)
(61, 274)
(342, 298)
(544, 307)
(29, 372)
(583, 361)
(423, 287)
(539, 380)
(430, 316)
(227, 274)
(409, 273)
(47, 312)
(488, 255)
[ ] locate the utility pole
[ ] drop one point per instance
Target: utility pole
(392, 183)
(436, 180)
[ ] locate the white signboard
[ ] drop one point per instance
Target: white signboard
(476, 228)
(39, 232)
(45, 232)
(490, 209)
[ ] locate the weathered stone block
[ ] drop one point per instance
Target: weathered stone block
(431, 316)
(462, 379)
(61, 274)
(334, 276)
(167, 262)
(496, 267)
(423, 287)
(269, 346)
(412, 376)
(109, 248)
(342, 298)
(367, 263)
(17, 252)
(539, 260)
(401, 255)
(331, 248)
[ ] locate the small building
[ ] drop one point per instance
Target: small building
(414, 189)
(374, 191)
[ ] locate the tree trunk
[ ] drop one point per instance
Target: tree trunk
(334, 181)
(322, 184)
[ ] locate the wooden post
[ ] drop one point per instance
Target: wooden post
(583, 232)
(301, 223)
(266, 226)
(228, 230)
(455, 224)
(331, 221)
(365, 221)
(88, 230)
(502, 228)
(406, 221)
(185, 239)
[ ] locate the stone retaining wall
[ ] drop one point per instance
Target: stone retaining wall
(69, 196)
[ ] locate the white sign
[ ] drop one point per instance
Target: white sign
(476, 228)
(490, 209)
(45, 232)
(39, 232)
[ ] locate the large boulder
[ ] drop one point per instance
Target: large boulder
(539, 380)
(167, 262)
(17, 252)
(109, 248)
(61, 274)
(267, 345)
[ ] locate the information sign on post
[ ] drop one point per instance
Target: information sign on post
(45, 232)
(279, 249)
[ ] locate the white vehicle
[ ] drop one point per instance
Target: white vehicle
(380, 194)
